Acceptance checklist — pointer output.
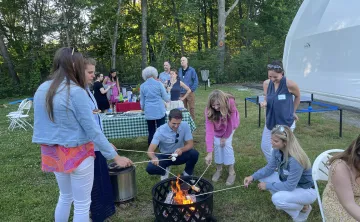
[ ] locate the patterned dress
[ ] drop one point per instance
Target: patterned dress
(333, 210)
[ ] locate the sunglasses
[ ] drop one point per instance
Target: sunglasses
(281, 129)
(276, 68)
(176, 138)
(73, 49)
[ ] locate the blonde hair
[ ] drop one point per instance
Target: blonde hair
(89, 61)
(292, 147)
(223, 99)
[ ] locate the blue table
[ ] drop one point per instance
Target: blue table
(323, 107)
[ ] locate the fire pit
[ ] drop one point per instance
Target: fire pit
(174, 200)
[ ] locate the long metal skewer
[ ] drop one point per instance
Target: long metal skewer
(174, 175)
(147, 161)
(138, 151)
(219, 190)
(202, 174)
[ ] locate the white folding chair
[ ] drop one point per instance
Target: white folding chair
(19, 110)
(19, 119)
(320, 170)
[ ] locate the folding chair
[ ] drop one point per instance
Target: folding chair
(19, 119)
(19, 110)
(320, 170)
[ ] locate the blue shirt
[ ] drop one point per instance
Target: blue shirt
(74, 123)
(291, 174)
(165, 137)
(152, 97)
(164, 76)
(190, 79)
(280, 105)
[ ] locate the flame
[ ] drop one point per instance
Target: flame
(180, 196)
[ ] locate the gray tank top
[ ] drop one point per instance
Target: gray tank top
(280, 105)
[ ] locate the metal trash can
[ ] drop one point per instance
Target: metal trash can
(123, 182)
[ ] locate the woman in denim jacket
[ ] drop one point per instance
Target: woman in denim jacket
(292, 186)
(66, 130)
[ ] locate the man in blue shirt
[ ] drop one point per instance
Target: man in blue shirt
(173, 137)
(188, 76)
(165, 76)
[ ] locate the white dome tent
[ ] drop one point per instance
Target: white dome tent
(322, 50)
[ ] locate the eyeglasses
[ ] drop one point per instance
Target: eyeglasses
(176, 138)
(276, 68)
(281, 128)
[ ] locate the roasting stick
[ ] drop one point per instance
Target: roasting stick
(138, 151)
(147, 161)
(219, 190)
(174, 175)
(202, 174)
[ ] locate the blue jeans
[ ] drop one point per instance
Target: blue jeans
(189, 157)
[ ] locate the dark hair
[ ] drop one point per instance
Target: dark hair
(279, 66)
(97, 75)
(112, 79)
(176, 114)
(351, 156)
(67, 66)
(174, 70)
(168, 62)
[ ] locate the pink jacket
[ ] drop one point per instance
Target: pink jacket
(223, 127)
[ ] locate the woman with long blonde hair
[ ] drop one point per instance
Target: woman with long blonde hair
(292, 186)
(222, 118)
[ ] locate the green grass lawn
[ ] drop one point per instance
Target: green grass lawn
(28, 194)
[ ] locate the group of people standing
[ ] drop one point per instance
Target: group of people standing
(74, 148)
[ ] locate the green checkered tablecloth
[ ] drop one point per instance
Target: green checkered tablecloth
(127, 126)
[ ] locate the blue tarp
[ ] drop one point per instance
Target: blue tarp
(19, 101)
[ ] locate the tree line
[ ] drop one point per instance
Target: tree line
(234, 39)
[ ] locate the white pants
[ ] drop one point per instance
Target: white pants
(266, 146)
(224, 155)
(75, 186)
(291, 202)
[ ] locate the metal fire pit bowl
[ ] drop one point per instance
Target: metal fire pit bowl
(200, 210)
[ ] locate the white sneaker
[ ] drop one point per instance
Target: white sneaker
(303, 215)
(166, 174)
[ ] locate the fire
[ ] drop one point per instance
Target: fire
(181, 196)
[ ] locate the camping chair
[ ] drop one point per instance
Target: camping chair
(19, 119)
(320, 171)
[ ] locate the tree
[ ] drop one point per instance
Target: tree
(5, 54)
(115, 37)
(222, 14)
(143, 33)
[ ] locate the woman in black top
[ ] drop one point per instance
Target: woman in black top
(174, 86)
(100, 93)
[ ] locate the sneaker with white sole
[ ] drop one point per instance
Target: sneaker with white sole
(166, 174)
(303, 215)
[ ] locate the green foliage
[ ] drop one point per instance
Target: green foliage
(33, 31)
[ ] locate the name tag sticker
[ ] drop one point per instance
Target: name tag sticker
(281, 97)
